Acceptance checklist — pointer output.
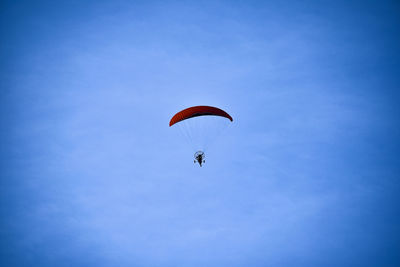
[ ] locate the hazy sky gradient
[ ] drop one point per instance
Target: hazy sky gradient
(307, 175)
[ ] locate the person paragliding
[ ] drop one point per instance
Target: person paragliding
(199, 157)
(193, 112)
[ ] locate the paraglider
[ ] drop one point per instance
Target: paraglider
(196, 112)
(199, 157)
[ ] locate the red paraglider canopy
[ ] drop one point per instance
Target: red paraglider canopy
(198, 111)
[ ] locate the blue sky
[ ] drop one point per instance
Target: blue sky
(306, 175)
